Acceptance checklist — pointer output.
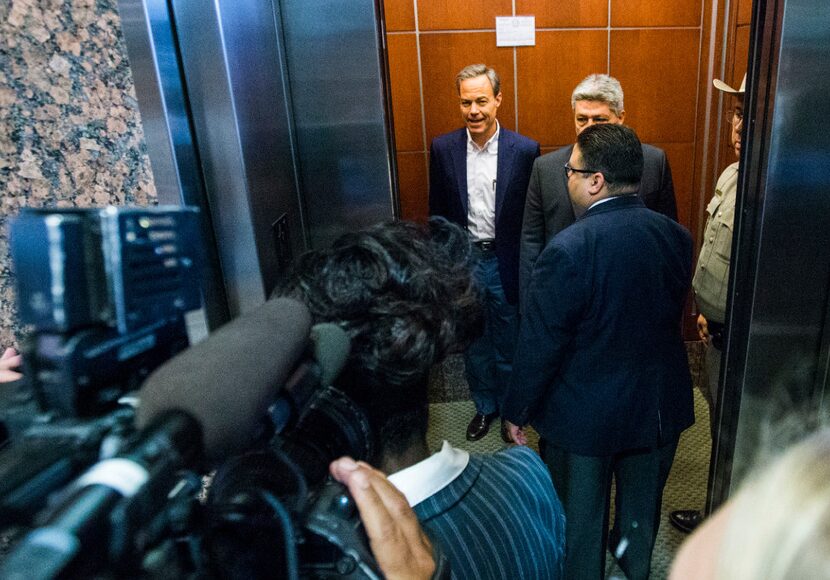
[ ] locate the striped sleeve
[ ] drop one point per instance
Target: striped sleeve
(505, 523)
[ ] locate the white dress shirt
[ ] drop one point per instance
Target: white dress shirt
(428, 477)
(596, 203)
(482, 168)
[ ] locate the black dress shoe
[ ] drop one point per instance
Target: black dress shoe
(479, 426)
(686, 520)
(505, 434)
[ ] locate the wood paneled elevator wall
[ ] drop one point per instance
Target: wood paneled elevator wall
(664, 53)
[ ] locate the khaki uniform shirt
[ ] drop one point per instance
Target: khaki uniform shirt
(711, 280)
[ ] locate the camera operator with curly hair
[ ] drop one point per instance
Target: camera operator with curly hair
(405, 296)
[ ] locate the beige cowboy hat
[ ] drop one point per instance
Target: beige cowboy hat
(722, 86)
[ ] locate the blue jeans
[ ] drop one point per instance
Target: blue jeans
(489, 360)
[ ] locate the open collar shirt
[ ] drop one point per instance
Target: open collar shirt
(482, 169)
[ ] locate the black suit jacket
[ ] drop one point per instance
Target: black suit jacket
(548, 208)
(600, 366)
(448, 192)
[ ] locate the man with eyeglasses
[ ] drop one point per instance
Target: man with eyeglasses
(600, 368)
(711, 280)
(598, 98)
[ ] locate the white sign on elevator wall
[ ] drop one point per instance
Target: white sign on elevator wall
(515, 31)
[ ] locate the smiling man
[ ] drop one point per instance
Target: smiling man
(478, 178)
(597, 99)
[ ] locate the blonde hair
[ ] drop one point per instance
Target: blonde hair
(780, 523)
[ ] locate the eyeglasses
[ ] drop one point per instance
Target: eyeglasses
(735, 116)
(569, 170)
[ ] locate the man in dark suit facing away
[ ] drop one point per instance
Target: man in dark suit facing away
(598, 98)
(478, 178)
(600, 368)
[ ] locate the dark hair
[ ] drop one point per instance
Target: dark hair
(404, 294)
(615, 151)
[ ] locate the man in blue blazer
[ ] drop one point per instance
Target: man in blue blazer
(478, 179)
(600, 366)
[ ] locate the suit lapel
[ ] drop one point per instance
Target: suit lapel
(459, 162)
(504, 170)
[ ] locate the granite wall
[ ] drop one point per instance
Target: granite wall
(70, 132)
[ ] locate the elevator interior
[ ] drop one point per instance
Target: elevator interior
(273, 116)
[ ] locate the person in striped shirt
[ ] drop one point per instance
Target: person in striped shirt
(405, 297)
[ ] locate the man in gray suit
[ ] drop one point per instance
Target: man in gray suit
(597, 99)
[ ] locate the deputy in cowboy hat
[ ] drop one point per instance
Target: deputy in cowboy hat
(711, 278)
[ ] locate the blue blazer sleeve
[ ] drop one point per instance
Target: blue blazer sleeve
(438, 194)
(533, 231)
(556, 301)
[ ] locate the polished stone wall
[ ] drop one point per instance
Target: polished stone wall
(70, 131)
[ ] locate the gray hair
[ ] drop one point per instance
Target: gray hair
(476, 70)
(603, 88)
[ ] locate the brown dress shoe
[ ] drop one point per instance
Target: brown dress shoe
(479, 426)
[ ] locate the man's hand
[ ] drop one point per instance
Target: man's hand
(398, 543)
(10, 360)
(703, 328)
(517, 434)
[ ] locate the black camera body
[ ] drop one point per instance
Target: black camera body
(105, 292)
(86, 492)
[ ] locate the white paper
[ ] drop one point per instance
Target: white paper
(515, 31)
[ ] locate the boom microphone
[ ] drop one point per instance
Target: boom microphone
(228, 381)
(331, 346)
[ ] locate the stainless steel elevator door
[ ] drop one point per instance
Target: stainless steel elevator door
(334, 53)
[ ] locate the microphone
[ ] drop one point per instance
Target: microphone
(315, 420)
(331, 347)
(228, 381)
(212, 398)
(256, 500)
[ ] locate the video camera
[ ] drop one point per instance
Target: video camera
(217, 468)
(104, 293)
